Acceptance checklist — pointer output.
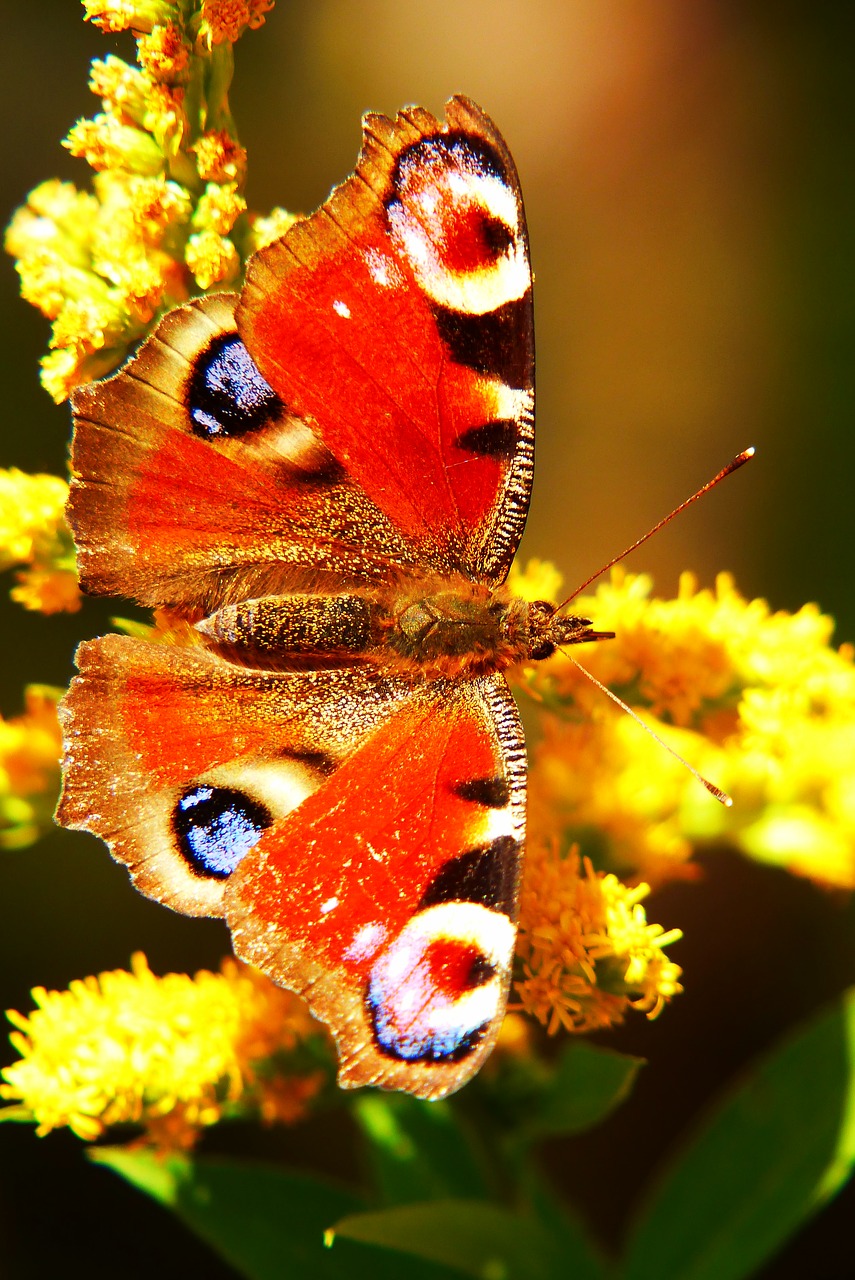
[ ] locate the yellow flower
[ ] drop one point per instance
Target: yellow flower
(33, 533)
(30, 747)
(219, 158)
(106, 144)
(121, 15)
(212, 258)
(173, 1054)
(539, 580)
(218, 208)
(588, 954)
(162, 53)
(758, 702)
(226, 20)
(265, 229)
(165, 218)
(30, 507)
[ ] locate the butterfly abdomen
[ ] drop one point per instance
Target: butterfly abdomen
(293, 630)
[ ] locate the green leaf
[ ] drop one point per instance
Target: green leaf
(533, 1099)
(542, 1199)
(475, 1238)
(776, 1147)
(267, 1223)
(586, 1085)
(417, 1150)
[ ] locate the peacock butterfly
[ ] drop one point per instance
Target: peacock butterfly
(321, 483)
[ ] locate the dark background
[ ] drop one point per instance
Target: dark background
(688, 172)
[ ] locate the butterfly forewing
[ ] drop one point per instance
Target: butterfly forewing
(411, 287)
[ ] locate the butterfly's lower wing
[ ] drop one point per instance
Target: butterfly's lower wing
(194, 485)
(362, 839)
(398, 319)
(388, 897)
(180, 761)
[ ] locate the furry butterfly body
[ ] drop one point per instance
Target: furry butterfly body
(322, 483)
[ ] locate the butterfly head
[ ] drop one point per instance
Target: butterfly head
(548, 630)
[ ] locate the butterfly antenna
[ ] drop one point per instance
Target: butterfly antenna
(720, 795)
(738, 461)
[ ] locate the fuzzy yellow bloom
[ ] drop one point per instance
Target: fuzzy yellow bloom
(172, 1054)
(122, 15)
(30, 746)
(219, 158)
(162, 53)
(34, 534)
(212, 258)
(218, 208)
(588, 954)
(758, 701)
(166, 217)
(226, 20)
(267, 228)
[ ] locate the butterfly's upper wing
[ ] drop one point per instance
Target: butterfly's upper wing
(193, 485)
(398, 319)
(376, 409)
(361, 836)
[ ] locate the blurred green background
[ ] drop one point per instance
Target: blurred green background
(688, 174)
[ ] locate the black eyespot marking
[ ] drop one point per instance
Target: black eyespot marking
(216, 827)
(480, 972)
(317, 760)
(487, 875)
(543, 650)
(497, 236)
(328, 471)
(226, 395)
(448, 151)
(492, 793)
(499, 343)
(496, 439)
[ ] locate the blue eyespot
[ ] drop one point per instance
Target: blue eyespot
(216, 827)
(227, 396)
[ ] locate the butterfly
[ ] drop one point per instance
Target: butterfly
(321, 484)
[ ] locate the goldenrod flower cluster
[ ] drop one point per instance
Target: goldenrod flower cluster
(172, 1054)
(34, 534)
(587, 952)
(30, 746)
(166, 217)
(758, 701)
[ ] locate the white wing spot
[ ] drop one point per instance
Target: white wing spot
(341, 309)
(367, 941)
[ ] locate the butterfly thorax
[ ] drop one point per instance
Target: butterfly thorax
(428, 628)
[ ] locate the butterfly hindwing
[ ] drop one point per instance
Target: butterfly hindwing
(388, 898)
(362, 840)
(179, 760)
